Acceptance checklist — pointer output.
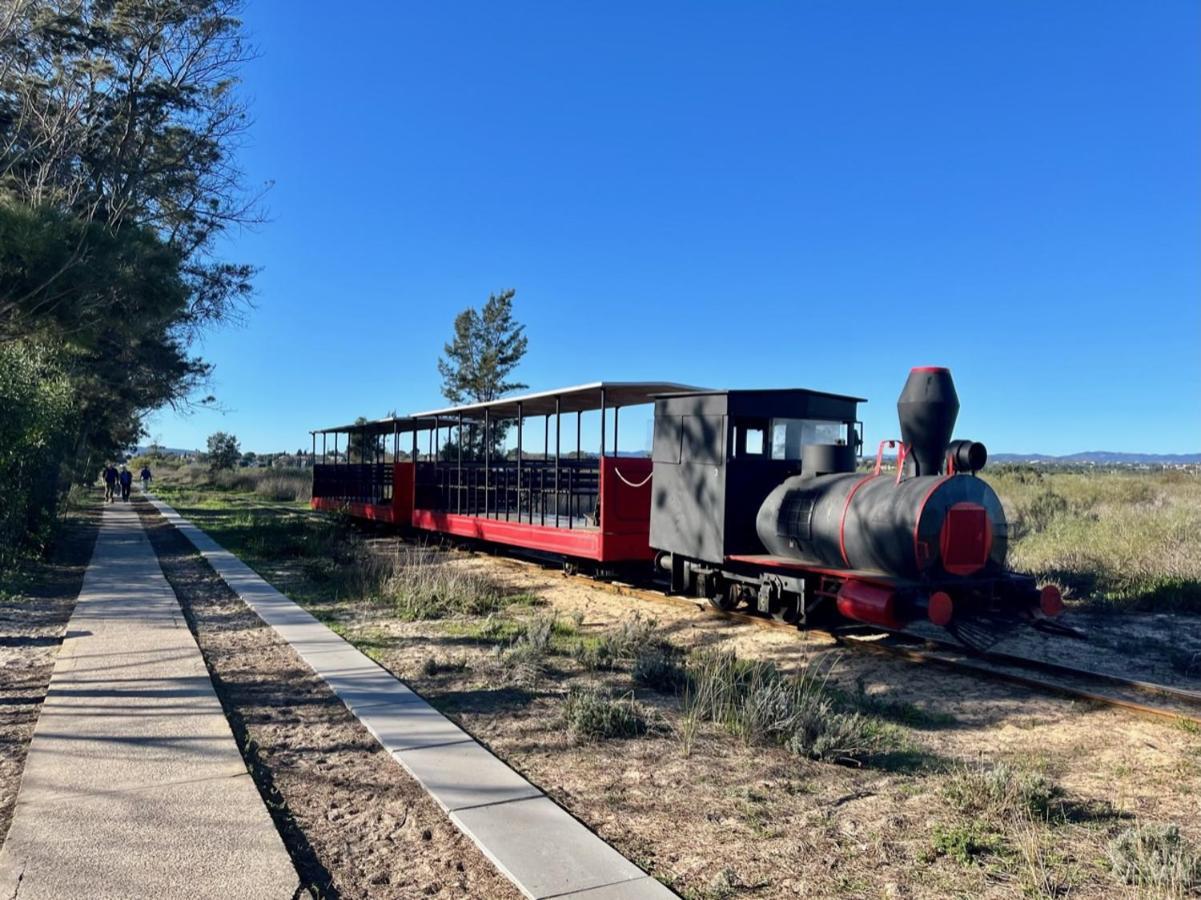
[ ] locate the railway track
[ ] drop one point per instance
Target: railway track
(1104, 688)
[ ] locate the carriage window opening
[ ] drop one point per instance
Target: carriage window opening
(788, 436)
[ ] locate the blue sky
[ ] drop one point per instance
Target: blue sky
(739, 194)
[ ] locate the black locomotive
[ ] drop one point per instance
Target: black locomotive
(783, 522)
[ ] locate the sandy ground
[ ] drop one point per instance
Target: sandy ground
(33, 620)
(355, 823)
(731, 820)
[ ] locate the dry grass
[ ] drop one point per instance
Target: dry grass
(422, 583)
(1001, 790)
(1156, 857)
(754, 701)
(277, 484)
(1113, 539)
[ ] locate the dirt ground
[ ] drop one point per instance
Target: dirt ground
(33, 616)
(355, 823)
(732, 820)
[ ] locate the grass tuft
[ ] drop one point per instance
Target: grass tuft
(1001, 790)
(593, 715)
(754, 701)
(1156, 856)
(421, 583)
(659, 669)
(618, 646)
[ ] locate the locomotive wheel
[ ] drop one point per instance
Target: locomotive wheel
(726, 600)
(786, 610)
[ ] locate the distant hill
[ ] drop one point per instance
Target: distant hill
(1102, 458)
(167, 451)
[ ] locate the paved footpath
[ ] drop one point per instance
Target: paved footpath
(134, 786)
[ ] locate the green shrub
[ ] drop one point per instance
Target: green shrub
(525, 660)
(965, 842)
(1001, 789)
(753, 700)
(659, 669)
(619, 645)
(1156, 856)
(592, 715)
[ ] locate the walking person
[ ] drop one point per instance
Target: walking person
(110, 482)
(126, 482)
(145, 476)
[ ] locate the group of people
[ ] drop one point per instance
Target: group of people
(122, 481)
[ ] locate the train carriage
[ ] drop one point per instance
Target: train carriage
(447, 473)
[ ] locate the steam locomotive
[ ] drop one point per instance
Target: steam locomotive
(927, 540)
(750, 498)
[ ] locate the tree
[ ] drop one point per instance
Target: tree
(223, 451)
(119, 122)
(486, 348)
(362, 448)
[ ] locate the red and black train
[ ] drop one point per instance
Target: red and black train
(749, 497)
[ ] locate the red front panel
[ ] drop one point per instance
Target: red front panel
(402, 491)
(625, 486)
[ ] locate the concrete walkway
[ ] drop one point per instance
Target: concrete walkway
(133, 786)
(531, 839)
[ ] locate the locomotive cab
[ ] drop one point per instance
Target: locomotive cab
(717, 455)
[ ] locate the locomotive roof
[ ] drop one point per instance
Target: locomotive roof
(747, 391)
(579, 398)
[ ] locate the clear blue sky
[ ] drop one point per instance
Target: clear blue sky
(742, 194)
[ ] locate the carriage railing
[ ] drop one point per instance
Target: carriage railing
(539, 493)
(354, 482)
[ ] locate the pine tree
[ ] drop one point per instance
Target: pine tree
(487, 346)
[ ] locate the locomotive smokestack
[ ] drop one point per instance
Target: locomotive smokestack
(927, 408)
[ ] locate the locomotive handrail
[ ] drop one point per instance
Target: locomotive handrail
(902, 454)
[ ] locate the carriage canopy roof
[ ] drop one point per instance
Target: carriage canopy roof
(581, 398)
(389, 425)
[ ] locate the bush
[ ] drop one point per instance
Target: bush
(618, 645)
(525, 658)
(1001, 789)
(593, 715)
(753, 700)
(422, 584)
(289, 487)
(965, 842)
(659, 669)
(1156, 856)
